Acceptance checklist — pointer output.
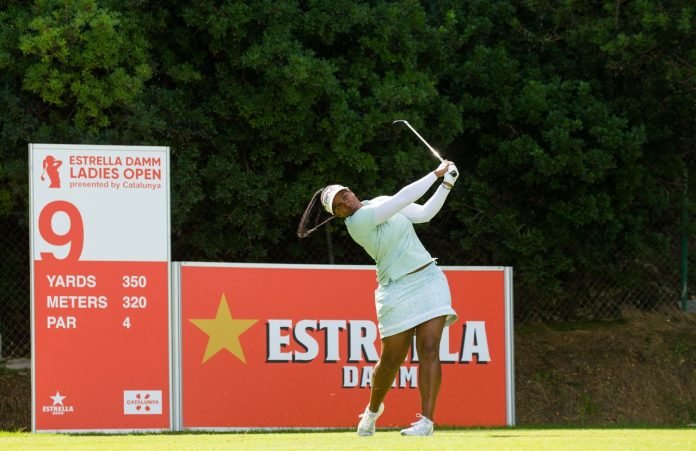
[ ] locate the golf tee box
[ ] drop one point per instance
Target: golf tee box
(100, 278)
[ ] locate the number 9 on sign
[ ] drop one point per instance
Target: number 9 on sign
(73, 236)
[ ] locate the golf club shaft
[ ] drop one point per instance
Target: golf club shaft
(435, 152)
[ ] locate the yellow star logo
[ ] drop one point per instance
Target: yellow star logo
(223, 331)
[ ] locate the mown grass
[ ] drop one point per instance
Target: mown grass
(475, 439)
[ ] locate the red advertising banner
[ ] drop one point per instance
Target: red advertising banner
(100, 288)
(267, 346)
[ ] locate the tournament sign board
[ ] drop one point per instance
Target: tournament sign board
(100, 277)
(294, 346)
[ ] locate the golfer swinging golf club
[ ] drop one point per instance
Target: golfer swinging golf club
(412, 297)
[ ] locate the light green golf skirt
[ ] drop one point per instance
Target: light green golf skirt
(412, 300)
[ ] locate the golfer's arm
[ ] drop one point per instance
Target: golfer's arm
(406, 196)
(423, 213)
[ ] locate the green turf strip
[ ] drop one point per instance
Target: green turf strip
(480, 439)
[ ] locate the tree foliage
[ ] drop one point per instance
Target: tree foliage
(572, 122)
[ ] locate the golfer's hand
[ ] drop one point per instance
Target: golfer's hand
(442, 169)
(451, 175)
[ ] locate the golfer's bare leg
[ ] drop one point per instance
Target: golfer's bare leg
(394, 350)
(428, 337)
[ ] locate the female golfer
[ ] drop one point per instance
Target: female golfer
(412, 296)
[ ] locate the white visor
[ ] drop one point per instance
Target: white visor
(328, 194)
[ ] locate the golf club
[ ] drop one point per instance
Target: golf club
(435, 152)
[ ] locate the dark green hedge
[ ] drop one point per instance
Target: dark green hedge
(573, 123)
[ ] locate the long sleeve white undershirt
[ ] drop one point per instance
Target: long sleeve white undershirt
(403, 202)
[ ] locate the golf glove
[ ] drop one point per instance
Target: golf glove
(452, 174)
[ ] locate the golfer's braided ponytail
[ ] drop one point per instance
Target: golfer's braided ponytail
(312, 216)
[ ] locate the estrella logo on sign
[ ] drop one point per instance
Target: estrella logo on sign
(224, 333)
(286, 337)
(58, 406)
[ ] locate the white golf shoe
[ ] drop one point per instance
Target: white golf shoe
(422, 427)
(366, 427)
